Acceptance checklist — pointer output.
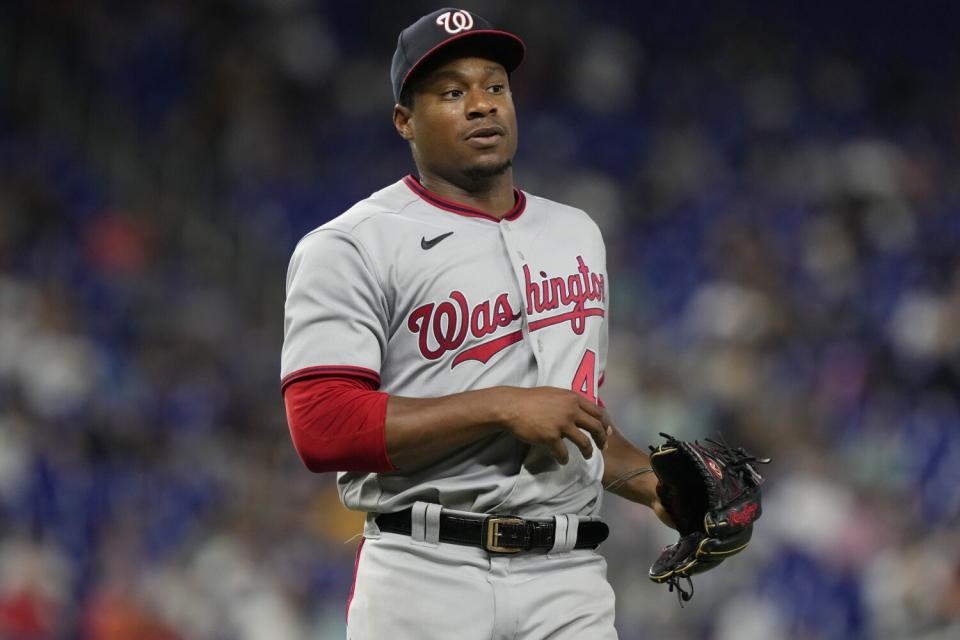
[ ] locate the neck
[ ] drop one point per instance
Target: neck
(493, 195)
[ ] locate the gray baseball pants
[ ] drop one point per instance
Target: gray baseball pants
(409, 588)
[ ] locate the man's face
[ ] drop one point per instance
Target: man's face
(463, 122)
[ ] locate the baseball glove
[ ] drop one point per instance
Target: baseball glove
(712, 493)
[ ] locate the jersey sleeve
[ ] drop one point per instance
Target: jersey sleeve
(335, 316)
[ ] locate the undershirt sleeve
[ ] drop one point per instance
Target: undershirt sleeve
(338, 424)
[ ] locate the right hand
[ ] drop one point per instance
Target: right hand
(548, 415)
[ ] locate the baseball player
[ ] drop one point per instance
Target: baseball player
(444, 343)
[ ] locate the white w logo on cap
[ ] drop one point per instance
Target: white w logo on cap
(456, 21)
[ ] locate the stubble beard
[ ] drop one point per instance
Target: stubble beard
(481, 173)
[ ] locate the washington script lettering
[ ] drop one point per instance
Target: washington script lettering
(443, 326)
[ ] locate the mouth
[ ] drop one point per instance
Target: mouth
(485, 136)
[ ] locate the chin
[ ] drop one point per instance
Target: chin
(488, 170)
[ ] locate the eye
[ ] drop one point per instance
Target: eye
(497, 88)
(451, 94)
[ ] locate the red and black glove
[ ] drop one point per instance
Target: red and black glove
(712, 493)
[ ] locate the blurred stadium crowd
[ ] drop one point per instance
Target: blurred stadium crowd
(780, 192)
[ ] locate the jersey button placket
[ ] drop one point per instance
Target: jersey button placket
(516, 258)
(512, 251)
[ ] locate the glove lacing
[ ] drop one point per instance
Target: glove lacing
(682, 595)
(734, 458)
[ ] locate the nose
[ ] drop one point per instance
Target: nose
(480, 104)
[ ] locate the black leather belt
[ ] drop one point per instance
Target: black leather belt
(498, 533)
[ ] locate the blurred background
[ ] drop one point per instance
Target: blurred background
(779, 188)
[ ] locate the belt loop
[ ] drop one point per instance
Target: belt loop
(559, 536)
(573, 531)
(432, 524)
(565, 534)
(425, 524)
(418, 521)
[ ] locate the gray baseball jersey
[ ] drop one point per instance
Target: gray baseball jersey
(426, 298)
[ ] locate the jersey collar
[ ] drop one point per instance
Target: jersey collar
(520, 202)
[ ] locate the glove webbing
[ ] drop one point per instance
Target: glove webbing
(734, 458)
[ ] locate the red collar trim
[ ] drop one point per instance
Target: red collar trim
(462, 209)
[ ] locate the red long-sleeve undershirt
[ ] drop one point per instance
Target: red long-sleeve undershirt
(338, 424)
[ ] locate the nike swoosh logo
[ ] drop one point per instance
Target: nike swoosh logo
(430, 244)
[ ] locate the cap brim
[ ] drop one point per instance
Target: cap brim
(502, 46)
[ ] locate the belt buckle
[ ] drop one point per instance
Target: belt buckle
(493, 525)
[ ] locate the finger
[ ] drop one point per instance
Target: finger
(559, 450)
(607, 422)
(605, 418)
(592, 408)
(595, 427)
(580, 439)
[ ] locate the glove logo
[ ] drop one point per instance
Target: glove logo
(746, 515)
(461, 21)
(714, 469)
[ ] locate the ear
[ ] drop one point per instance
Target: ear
(402, 120)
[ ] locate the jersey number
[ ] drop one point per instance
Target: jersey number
(583, 379)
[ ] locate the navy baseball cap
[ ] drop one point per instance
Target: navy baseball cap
(436, 31)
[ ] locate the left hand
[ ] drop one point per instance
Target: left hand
(644, 487)
(661, 512)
